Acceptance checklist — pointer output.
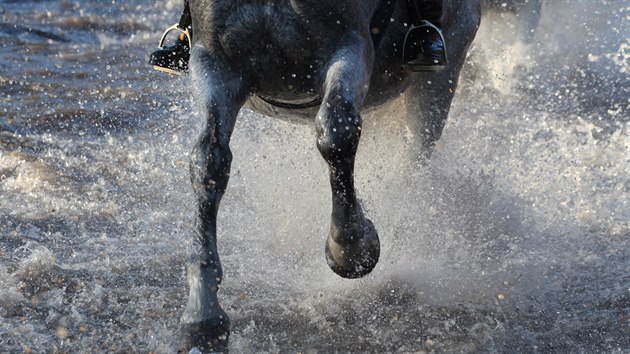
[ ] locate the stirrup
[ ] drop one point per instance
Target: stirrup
(168, 65)
(176, 27)
(424, 23)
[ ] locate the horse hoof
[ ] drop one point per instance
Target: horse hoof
(356, 259)
(208, 336)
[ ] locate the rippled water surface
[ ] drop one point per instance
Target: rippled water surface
(515, 237)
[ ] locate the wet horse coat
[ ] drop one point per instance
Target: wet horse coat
(280, 57)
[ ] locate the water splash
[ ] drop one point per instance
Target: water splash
(513, 239)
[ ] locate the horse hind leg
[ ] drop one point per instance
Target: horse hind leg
(352, 248)
(220, 92)
(428, 99)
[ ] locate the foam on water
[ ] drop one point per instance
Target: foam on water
(514, 238)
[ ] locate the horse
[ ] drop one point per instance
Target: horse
(322, 60)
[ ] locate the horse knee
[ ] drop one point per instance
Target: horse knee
(338, 126)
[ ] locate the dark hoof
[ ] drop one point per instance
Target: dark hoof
(356, 259)
(209, 336)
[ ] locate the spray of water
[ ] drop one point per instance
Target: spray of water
(514, 238)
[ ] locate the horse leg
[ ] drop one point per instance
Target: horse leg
(352, 249)
(220, 92)
(428, 99)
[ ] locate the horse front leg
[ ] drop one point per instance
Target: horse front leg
(352, 248)
(219, 93)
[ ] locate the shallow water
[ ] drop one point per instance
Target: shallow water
(515, 238)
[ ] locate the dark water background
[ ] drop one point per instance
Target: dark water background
(515, 238)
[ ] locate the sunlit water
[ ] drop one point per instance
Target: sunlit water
(515, 238)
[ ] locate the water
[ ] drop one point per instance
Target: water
(515, 238)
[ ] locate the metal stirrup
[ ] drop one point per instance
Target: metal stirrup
(176, 27)
(423, 23)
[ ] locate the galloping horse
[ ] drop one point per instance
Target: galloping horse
(323, 59)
